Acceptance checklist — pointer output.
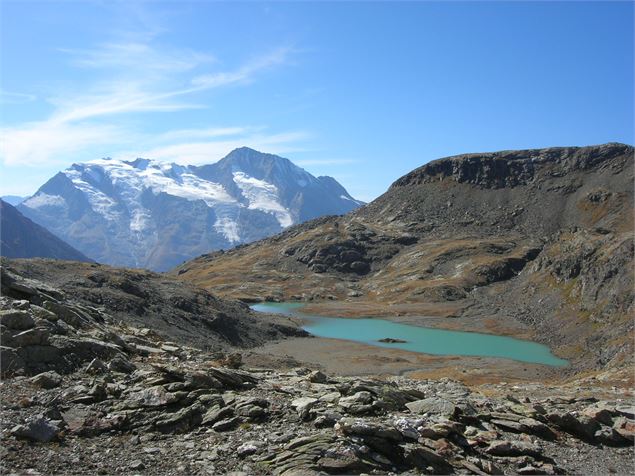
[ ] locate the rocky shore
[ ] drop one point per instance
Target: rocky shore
(84, 393)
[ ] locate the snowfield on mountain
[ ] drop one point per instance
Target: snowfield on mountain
(155, 215)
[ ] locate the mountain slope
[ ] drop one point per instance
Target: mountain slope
(155, 215)
(21, 238)
(13, 199)
(541, 237)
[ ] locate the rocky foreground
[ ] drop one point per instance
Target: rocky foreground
(86, 393)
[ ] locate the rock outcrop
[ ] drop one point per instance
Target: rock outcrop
(81, 313)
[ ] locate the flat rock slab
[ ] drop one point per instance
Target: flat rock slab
(434, 406)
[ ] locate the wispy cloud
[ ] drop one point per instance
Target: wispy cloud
(133, 57)
(36, 143)
(11, 97)
(245, 73)
(334, 161)
(191, 150)
(137, 78)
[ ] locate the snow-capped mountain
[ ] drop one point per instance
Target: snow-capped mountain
(155, 215)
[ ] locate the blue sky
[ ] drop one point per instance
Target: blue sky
(364, 92)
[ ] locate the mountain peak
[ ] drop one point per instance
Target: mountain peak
(146, 213)
(247, 155)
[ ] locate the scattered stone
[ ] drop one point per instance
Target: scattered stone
(136, 465)
(246, 449)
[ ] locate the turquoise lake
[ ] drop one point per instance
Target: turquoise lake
(418, 339)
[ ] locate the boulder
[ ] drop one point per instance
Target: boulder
(34, 336)
(11, 363)
(121, 364)
(96, 366)
(433, 406)
(512, 448)
(362, 428)
(303, 405)
(47, 380)
(153, 397)
(358, 403)
(216, 414)
(226, 424)
(38, 429)
(183, 420)
(317, 377)
(423, 458)
(581, 426)
(16, 319)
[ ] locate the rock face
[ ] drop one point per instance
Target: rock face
(541, 237)
(156, 215)
(21, 238)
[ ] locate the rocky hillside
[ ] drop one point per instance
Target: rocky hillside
(70, 308)
(544, 237)
(156, 215)
(21, 238)
(94, 384)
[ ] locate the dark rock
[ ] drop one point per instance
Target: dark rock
(582, 426)
(121, 364)
(317, 377)
(47, 380)
(16, 319)
(226, 424)
(34, 336)
(37, 429)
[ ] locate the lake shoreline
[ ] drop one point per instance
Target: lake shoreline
(350, 357)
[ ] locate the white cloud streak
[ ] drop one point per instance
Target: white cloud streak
(193, 151)
(309, 162)
(9, 97)
(78, 122)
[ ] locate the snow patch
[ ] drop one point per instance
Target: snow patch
(263, 196)
(45, 200)
(99, 201)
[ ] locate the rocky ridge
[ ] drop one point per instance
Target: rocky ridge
(542, 238)
(117, 398)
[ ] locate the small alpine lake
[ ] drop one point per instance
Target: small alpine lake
(424, 340)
